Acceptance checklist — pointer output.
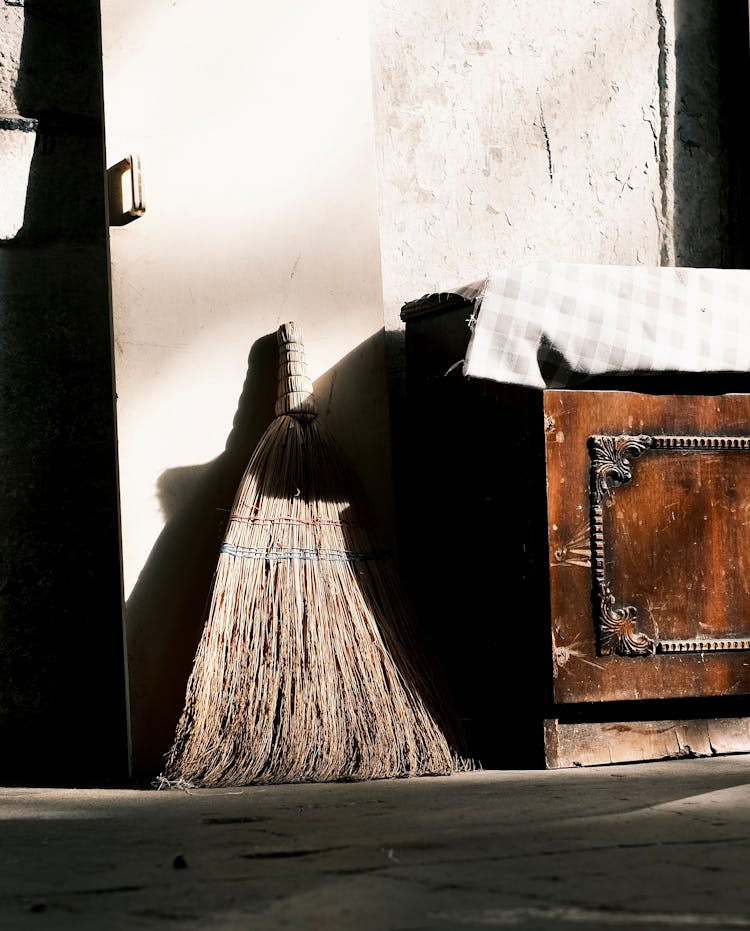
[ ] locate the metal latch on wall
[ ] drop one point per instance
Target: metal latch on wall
(125, 191)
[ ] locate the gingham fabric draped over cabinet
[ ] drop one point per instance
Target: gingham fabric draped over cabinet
(550, 325)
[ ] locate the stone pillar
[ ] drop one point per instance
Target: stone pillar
(62, 691)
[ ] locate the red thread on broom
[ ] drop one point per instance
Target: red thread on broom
(270, 521)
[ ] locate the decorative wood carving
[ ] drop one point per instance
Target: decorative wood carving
(577, 550)
(611, 466)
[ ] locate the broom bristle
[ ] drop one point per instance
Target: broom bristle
(307, 668)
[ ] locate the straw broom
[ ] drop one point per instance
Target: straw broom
(308, 668)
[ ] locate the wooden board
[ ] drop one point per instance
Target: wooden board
(648, 501)
(596, 744)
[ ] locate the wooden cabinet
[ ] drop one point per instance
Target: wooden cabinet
(579, 557)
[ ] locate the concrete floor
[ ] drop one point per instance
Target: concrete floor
(647, 845)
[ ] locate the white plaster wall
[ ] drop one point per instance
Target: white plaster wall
(17, 136)
(510, 132)
(11, 36)
(255, 132)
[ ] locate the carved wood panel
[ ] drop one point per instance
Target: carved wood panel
(660, 605)
(611, 466)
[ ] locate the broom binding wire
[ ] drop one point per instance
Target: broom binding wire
(295, 390)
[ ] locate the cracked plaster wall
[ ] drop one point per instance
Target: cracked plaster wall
(510, 132)
(11, 36)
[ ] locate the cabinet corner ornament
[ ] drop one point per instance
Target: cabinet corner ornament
(610, 461)
(611, 467)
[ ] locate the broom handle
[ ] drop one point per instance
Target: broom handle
(295, 391)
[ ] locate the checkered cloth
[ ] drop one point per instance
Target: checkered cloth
(552, 325)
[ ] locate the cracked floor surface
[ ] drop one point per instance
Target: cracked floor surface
(647, 845)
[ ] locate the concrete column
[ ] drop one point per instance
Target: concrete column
(62, 708)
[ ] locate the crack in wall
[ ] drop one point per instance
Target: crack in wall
(666, 249)
(543, 125)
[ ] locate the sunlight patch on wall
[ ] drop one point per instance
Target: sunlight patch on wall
(17, 138)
